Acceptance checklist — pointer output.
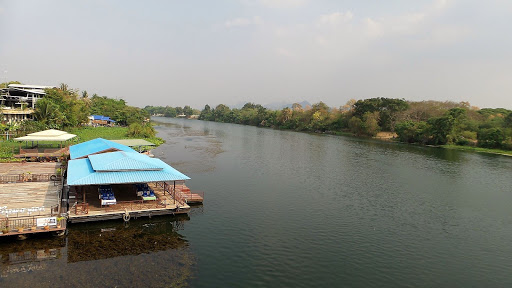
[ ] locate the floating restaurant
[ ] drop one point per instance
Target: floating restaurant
(103, 180)
(108, 180)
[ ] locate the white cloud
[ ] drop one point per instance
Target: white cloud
(336, 18)
(373, 27)
(242, 22)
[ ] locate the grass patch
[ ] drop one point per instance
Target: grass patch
(478, 149)
(109, 133)
(9, 148)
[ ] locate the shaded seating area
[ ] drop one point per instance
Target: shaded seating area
(34, 150)
(106, 195)
(144, 191)
(123, 180)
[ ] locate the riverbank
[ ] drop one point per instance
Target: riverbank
(477, 149)
(9, 148)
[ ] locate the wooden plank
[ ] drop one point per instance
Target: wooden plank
(29, 194)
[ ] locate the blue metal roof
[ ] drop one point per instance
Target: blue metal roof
(101, 117)
(96, 146)
(123, 161)
(81, 172)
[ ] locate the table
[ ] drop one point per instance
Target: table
(108, 202)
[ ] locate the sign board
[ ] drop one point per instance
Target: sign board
(48, 221)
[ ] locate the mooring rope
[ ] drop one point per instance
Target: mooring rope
(126, 216)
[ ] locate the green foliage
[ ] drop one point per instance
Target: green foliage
(491, 138)
(172, 112)
(356, 126)
(5, 84)
(371, 123)
(145, 130)
(412, 132)
(61, 107)
(117, 110)
(8, 149)
(388, 109)
(426, 122)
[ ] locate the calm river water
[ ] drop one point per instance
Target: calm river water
(291, 209)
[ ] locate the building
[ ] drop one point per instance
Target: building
(18, 101)
(100, 120)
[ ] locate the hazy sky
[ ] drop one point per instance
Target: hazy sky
(218, 51)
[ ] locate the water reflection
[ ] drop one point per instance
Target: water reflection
(141, 253)
(28, 256)
(107, 240)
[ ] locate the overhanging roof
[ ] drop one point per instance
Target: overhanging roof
(47, 135)
(81, 172)
(95, 146)
(134, 142)
(30, 86)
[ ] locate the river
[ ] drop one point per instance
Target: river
(292, 209)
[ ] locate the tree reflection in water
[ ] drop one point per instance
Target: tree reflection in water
(140, 253)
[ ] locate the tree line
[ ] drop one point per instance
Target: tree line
(169, 111)
(423, 122)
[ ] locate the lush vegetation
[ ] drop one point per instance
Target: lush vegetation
(169, 111)
(67, 109)
(425, 122)
(110, 133)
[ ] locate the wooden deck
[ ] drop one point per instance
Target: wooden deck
(30, 194)
(22, 203)
(190, 197)
(28, 167)
(127, 203)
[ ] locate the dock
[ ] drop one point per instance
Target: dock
(30, 198)
(188, 196)
(103, 180)
(108, 180)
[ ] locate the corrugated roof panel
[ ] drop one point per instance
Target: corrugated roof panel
(123, 161)
(80, 172)
(96, 146)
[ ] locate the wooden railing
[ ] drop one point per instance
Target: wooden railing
(81, 208)
(17, 178)
(24, 223)
(169, 189)
(135, 205)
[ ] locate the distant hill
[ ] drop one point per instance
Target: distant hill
(282, 105)
(272, 106)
